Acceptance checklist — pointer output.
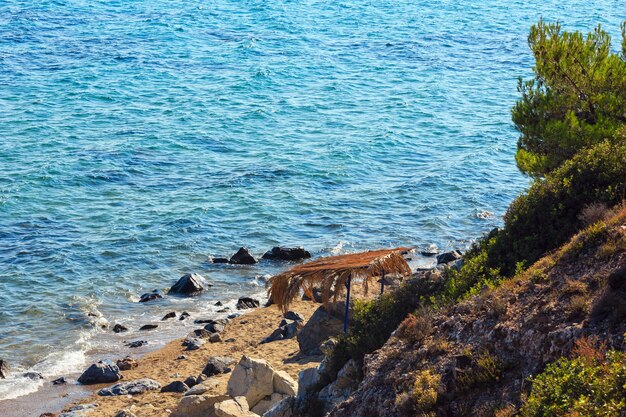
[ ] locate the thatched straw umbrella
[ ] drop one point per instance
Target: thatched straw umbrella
(333, 273)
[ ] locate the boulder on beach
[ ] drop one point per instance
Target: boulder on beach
(251, 378)
(451, 256)
(154, 295)
(218, 365)
(176, 386)
(247, 302)
(242, 257)
(190, 284)
(4, 369)
(138, 386)
(233, 407)
(100, 373)
(279, 253)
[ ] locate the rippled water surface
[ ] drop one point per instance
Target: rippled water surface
(140, 138)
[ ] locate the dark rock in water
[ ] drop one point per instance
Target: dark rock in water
(218, 365)
(100, 373)
(220, 260)
(292, 315)
(247, 302)
(136, 343)
(183, 315)
(126, 364)
(234, 315)
(279, 253)
(214, 327)
(446, 257)
(138, 386)
(125, 413)
(118, 328)
(170, 315)
(176, 386)
(33, 375)
(319, 328)
(59, 381)
(191, 381)
(190, 284)
(47, 415)
(203, 321)
(242, 257)
(219, 304)
(428, 254)
(149, 327)
(154, 295)
(224, 310)
(4, 369)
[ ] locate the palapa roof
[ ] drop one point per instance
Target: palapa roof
(331, 273)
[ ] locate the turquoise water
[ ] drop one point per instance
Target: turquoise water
(140, 138)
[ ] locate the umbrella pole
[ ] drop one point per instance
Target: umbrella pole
(345, 320)
(382, 284)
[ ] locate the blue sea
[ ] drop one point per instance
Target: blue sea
(141, 138)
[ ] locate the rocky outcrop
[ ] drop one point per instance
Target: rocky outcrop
(100, 373)
(242, 257)
(190, 284)
(447, 257)
(320, 327)
(279, 253)
(284, 384)
(234, 407)
(136, 387)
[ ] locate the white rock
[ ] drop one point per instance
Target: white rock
(253, 379)
(284, 384)
(235, 407)
(198, 405)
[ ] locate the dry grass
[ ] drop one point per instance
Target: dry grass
(593, 213)
(415, 328)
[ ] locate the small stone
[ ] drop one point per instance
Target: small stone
(138, 386)
(181, 357)
(183, 315)
(215, 337)
(199, 333)
(125, 413)
(148, 327)
(118, 328)
(137, 343)
(33, 375)
(176, 386)
(219, 304)
(59, 381)
(214, 327)
(230, 340)
(194, 344)
(218, 365)
(99, 373)
(191, 381)
(170, 315)
(127, 364)
(292, 315)
(220, 260)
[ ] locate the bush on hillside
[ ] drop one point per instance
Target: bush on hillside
(582, 386)
(576, 99)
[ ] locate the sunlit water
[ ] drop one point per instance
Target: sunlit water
(140, 138)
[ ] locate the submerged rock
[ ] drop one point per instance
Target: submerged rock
(137, 343)
(279, 253)
(242, 257)
(4, 369)
(247, 302)
(100, 373)
(33, 375)
(148, 327)
(170, 315)
(190, 284)
(154, 295)
(59, 381)
(118, 328)
(220, 260)
(183, 315)
(138, 386)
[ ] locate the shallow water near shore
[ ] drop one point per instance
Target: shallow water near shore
(140, 139)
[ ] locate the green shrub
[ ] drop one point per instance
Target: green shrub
(579, 387)
(576, 99)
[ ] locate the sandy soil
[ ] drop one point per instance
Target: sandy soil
(247, 330)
